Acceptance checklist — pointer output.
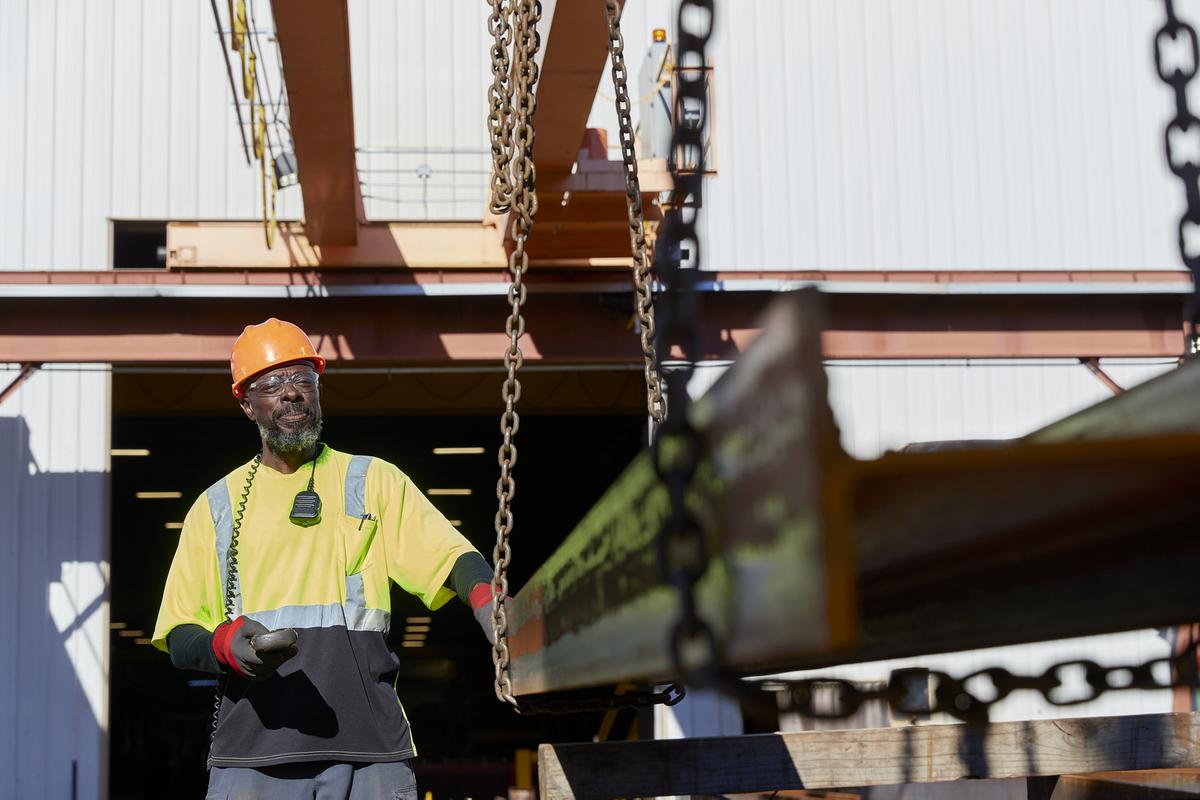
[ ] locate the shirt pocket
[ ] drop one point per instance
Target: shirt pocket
(357, 534)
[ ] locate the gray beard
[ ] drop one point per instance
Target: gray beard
(292, 443)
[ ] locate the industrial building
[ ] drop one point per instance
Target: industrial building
(976, 189)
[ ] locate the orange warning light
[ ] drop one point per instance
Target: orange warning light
(660, 34)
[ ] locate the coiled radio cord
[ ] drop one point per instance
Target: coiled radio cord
(231, 581)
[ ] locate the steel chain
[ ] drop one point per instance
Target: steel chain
(606, 702)
(524, 207)
(677, 449)
(920, 692)
(1183, 125)
(643, 295)
(500, 110)
(524, 204)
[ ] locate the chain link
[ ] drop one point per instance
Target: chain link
(500, 109)
(579, 704)
(643, 295)
(1183, 126)
(526, 43)
(677, 449)
(921, 692)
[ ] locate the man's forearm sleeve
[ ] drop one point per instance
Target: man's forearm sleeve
(469, 570)
(191, 647)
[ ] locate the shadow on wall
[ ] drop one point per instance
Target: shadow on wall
(54, 590)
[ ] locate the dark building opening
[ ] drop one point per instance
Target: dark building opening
(139, 244)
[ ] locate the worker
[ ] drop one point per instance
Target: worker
(281, 583)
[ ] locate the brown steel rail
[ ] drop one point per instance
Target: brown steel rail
(879, 280)
(432, 317)
(314, 44)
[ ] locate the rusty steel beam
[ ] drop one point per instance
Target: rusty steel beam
(314, 42)
(921, 518)
(1167, 784)
(935, 534)
(1125, 784)
(597, 611)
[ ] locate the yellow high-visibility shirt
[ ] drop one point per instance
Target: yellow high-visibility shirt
(330, 581)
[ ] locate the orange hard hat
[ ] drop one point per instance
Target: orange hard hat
(268, 345)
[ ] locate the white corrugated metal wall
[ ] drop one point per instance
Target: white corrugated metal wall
(932, 134)
(419, 72)
(117, 111)
(54, 585)
(902, 134)
(884, 405)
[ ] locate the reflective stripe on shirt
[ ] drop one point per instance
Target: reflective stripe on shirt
(222, 515)
(330, 615)
(356, 486)
(353, 614)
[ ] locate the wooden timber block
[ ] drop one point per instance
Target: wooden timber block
(868, 757)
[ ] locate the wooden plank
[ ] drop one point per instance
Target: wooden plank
(597, 611)
(866, 757)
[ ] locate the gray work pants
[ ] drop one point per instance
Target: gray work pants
(391, 780)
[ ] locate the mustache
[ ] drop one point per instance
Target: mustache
(297, 407)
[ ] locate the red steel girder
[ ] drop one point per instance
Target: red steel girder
(576, 52)
(314, 42)
(565, 325)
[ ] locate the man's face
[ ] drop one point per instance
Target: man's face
(287, 415)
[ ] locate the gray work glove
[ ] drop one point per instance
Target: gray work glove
(482, 606)
(247, 648)
(483, 615)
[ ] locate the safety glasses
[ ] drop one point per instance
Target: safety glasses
(272, 385)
